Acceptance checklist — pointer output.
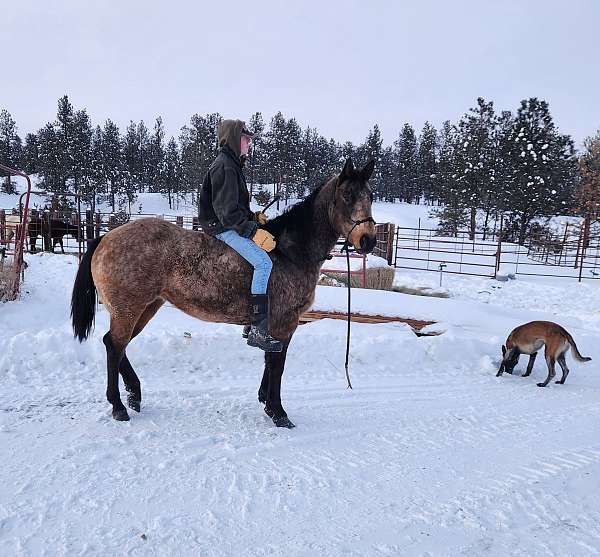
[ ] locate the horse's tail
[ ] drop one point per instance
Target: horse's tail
(83, 299)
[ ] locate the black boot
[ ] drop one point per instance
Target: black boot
(259, 317)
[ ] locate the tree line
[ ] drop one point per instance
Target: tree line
(514, 164)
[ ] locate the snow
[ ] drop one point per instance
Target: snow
(430, 454)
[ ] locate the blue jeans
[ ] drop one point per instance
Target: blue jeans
(257, 257)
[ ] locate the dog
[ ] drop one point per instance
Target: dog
(529, 338)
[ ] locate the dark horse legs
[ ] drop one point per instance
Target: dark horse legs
(132, 384)
(114, 355)
(130, 378)
(269, 392)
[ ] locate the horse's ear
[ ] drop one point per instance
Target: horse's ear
(503, 350)
(348, 170)
(368, 170)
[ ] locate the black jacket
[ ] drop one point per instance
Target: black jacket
(224, 200)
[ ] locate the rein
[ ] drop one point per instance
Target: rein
(346, 247)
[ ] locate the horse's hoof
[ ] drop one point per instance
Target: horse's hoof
(120, 415)
(283, 421)
(540, 385)
(133, 403)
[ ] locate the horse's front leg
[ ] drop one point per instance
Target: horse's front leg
(271, 387)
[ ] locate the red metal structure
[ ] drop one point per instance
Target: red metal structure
(21, 234)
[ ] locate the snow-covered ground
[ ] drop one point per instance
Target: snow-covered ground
(430, 454)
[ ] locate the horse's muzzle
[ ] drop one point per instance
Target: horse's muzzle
(367, 243)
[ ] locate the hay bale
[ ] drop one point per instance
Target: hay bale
(377, 278)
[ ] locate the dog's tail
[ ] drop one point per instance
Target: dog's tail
(83, 299)
(576, 354)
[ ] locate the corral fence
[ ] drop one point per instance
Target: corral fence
(51, 222)
(571, 253)
(13, 232)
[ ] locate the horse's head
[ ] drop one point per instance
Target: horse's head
(350, 212)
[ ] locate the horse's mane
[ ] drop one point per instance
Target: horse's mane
(298, 217)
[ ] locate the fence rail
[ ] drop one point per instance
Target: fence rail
(572, 253)
(575, 253)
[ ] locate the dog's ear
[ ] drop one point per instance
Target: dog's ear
(503, 350)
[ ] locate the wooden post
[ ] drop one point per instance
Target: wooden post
(179, 221)
(45, 231)
(98, 225)
(564, 244)
(586, 229)
(89, 224)
(499, 248)
(390, 246)
(579, 244)
(2, 227)
(364, 271)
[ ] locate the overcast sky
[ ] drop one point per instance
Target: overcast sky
(338, 66)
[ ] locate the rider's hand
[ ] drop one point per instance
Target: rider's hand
(264, 239)
(260, 217)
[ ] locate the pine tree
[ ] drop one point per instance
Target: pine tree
(31, 154)
(373, 149)
(81, 155)
(474, 161)
(405, 148)
(66, 147)
(10, 148)
(588, 191)
(452, 214)
(171, 172)
(97, 181)
(275, 153)
(294, 163)
(388, 174)
(544, 167)
(112, 162)
(50, 157)
(257, 126)
(132, 159)
(427, 163)
(143, 140)
(156, 153)
(199, 144)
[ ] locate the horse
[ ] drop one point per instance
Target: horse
(136, 267)
(12, 221)
(53, 231)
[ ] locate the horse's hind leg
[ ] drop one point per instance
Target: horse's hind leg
(130, 378)
(115, 347)
(116, 340)
(132, 384)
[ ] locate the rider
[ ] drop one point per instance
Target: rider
(224, 210)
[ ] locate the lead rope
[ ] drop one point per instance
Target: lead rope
(346, 247)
